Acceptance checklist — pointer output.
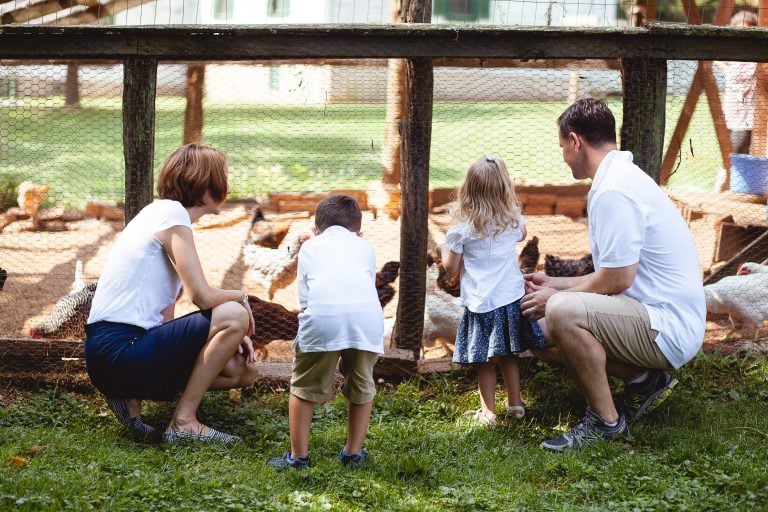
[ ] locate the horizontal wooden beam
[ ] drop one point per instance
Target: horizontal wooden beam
(234, 42)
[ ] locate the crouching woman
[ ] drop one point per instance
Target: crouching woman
(135, 349)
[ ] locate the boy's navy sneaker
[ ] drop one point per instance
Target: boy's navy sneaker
(286, 461)
(353, 460)
(591, 429)
(641, 398)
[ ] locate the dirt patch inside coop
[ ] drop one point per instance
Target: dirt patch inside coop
(41, 264)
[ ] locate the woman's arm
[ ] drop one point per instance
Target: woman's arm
(180, 247)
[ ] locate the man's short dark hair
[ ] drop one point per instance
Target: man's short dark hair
(591, 119)
(338, 210)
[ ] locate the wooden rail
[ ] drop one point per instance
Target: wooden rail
(235, 42)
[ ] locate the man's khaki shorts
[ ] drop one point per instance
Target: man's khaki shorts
(623, 327)
(312, 376)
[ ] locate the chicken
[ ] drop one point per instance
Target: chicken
(751, 268)
(388, 273)
(559, 267)
(451, 283)
(743, 297)
(29, 198)
(3, 277)
(68, 317)
(274, 269)
(442, 312)
(529, 256)
(267, 233)
(79, 281)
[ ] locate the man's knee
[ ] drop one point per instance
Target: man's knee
(564, 309)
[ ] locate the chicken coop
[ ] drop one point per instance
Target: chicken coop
(389, 113)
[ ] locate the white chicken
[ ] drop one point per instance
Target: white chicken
(274, 269)
(743, 297)
(442, 312)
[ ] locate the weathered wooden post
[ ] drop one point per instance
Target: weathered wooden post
(414, 185)
(139, 87)
(644, 83)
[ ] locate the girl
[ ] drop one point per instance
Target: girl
(135, 349)
(482, 246)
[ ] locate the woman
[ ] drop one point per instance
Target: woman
(135, 349)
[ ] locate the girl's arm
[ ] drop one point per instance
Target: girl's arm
(451, 261)
(180, 247)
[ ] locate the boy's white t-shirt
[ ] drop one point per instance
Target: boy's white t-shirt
(631, 220)
(139, 281)
(490, 273)
(337, 292)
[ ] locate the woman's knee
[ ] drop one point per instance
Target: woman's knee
(230, 314)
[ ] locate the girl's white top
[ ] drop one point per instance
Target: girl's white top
(490, 273)
(139, 281)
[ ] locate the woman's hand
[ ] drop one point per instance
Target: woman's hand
(247, 350)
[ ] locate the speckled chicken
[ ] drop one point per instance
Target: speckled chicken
(556, 266)
(743, 297)
(274, 269)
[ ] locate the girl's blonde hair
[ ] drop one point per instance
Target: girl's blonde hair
(486, 200)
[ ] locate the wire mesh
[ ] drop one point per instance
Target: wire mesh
(296, 131)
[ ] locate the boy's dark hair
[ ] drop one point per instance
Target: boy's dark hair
(338, 210)
(591, 119)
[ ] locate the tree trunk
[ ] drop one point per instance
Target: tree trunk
(390, 150)
(72, 87)
(193, 114)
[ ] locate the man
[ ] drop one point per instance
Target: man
(642, 312)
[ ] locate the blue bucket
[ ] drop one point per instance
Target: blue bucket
(749, 174)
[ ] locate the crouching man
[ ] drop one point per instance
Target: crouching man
(642, 312)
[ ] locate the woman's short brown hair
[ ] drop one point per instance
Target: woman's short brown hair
(190, 171)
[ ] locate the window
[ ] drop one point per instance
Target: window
(278, 8)
(222, 9)
(461, 10)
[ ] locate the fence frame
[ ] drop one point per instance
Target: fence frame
(643, 52)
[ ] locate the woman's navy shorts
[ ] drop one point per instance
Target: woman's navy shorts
(125, 361)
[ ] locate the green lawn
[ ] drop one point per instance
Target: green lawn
(78, 152)
(702, 450)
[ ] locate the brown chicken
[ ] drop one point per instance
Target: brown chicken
(388, 273)
(529, 256)
(528, 260)
(267, 233)
(560, 267)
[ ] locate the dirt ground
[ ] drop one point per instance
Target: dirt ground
(41, 264)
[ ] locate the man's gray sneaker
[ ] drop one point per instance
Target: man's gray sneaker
(640, 399)
(591, 429)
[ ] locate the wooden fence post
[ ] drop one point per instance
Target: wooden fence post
(414, 189)
(645, 95)
(139, 87)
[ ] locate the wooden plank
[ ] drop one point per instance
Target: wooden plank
(139, 87)
(644, 83)
(32, 348)
(755, 251)
(718, 119)
(732, 238)
(233, 42)
(675, 143)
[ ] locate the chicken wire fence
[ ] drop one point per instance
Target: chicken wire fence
(297, 131)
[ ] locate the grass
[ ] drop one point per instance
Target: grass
(703, 449)
(79, 153)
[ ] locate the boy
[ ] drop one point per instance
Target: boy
(341, 318)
